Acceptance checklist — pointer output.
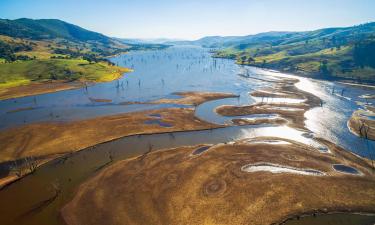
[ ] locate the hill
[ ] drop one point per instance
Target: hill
(48, 29)
(34, 53)
(226, 41)
(331, 53)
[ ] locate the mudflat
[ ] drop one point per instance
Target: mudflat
(216, 186)
(362, 123)
(43, 139)
(290, 113)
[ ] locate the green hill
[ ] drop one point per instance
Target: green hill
(48, 29)
(34, 53)
(331, 53)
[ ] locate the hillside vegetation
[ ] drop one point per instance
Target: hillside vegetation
(40, 51)
(42, 70)
(332, 53)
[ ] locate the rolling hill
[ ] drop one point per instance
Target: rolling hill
(34, 53)
(48, 29)
(332, 53)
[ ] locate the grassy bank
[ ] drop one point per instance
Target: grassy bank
(25, 72)
(327, 63)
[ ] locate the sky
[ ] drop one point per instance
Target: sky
(193, 19)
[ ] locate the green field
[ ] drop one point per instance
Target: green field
(24, 72)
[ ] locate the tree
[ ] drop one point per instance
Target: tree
(323, 68)
(264, 63)
(250, 60)
(243, 59)
(364, 54)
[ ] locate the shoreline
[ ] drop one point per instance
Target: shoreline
(319, 212)
(317, 76)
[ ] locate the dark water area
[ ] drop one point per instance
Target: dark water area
(334, 219)
(200, 150)
(345, 169)
(158, 122)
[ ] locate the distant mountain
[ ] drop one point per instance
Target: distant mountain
(225, 41)
(62, 38)
(147, 41)
(48, 29)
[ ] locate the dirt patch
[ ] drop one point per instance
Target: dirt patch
(277, 121)
(20, 109)
(362, 123)
(38, 88)
(100, 100)
(170, 187)
(194, 98)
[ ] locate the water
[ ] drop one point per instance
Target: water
(345, 169)
(158, 122)
(334, 219)
(200, 150)
(275, 168)
(158, 74)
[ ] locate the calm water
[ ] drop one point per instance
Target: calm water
(158, 74)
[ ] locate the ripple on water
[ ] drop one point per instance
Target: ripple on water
(276, 168)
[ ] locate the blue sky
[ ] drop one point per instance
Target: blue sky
(192, 19)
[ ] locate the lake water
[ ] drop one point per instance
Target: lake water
(158, 74)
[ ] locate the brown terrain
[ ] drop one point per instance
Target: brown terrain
(38, 88)
(195, 98)
(49, 138)
(360, 124)
(177, 186)
(292, 113)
